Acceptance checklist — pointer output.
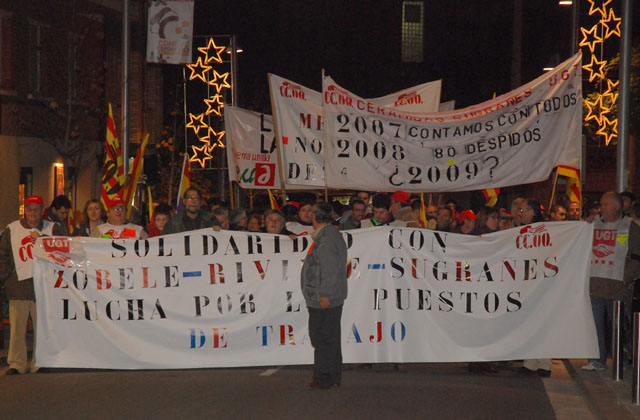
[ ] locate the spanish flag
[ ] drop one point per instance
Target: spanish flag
(491, 196)
(113, 170)
(185, 182)
(574, 189)
(423, 212)
(273, 201)
(135, 174)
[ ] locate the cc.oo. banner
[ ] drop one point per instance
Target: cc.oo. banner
(214, 299)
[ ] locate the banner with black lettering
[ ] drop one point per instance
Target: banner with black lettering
(516, 138)
(298, 113)
(214, 299)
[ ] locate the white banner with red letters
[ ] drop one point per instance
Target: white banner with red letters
(170, 31)
(214, 299)
(516, 138)
(298, 113)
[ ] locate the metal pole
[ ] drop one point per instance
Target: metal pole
(234, 94)
(616, 344)
(622, 158)
(575, 22)
(125, 86)
(635, 387)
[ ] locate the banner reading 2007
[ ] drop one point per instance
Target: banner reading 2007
(213, 299)
(514, 139)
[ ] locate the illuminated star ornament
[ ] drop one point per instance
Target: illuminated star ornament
(211, 136)
(596, 68)
(609, 129)
(198, 70)
(595, 110)
(200, 154)
(219, 85)
(214, 105)
(593, 9)
(212, 52)
(198, 119)
(590, 38)
(610, 21)
(611, 94)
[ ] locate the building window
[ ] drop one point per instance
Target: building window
(26, 186)
(412, 31)
(58, 179)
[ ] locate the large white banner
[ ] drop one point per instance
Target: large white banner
(516, 138)
(298, 111)
(213, 299)
(170, 31)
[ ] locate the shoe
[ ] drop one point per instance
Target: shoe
(12, 371)
(317, 385)
(593, 366)
(527, 372)
(544, 373)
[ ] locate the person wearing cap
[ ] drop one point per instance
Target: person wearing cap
(117, 226)
(381, 214)
(192, 217)
(401, 209)
(467, 222)
(16, 264)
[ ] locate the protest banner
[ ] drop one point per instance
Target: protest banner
(221, 299)
(170, 31)
(516, 138)
(298, 113)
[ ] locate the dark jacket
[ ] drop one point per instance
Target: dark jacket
(324, 272)
(183, 223)
(16, 289)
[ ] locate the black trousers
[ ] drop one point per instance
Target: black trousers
(324, 331)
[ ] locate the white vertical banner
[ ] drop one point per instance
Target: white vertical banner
(170, 31)
(298, 111)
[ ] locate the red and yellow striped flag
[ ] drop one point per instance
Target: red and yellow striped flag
(113, 170)
(574, 189)
(71, 220)
(491, 196)
(273, 201)
(423, 212)
(135, 174)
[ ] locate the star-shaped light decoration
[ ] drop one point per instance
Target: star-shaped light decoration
(200, 154)
(212, 52)
(610, 21)
(602, 9)
(213, 139)
(596, 110)
(193, 119)
(198, 70)
(609, 129)
(611, 94)
(590, 38)
(219, 85)
(595, 72)
(214, 105)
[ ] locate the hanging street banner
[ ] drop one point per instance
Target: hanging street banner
(170, 31)
(298, 111)
(251, 149)
(223, 299)
(516, 138)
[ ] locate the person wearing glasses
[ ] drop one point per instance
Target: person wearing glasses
(192, 217)
(117, 226)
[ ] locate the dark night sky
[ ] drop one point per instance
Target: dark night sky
(467, 44)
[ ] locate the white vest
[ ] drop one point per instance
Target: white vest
(22, 243)
(299, 229)
(117, 232)
(610, 245)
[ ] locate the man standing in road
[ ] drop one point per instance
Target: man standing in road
(324, 286)
(16, 265)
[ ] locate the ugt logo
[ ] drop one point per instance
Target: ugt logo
(56, 244)
(265, 174)
(604, 242)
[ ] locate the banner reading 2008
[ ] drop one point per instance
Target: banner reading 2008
(213, 299)
(514, 139)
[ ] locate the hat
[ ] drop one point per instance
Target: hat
(401, 196)
(116, 201)
(467, 214)
(33, 199)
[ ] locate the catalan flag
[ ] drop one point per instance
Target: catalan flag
(185, 182)
(574, 189)
(491, 196)
(71, 220)
(273, 201)
(113, 170)
(134, 175)
(423, 212)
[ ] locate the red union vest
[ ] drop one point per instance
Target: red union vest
(610, 245)
(22, 246)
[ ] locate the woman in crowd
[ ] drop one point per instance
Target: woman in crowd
(253, 224)
(238, 219)
(161, 216)
(275, 223)
(94, 215)
(488, 220)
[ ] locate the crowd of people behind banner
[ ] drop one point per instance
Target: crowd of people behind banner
(611, 281)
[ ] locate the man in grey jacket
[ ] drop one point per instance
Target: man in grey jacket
(324, 286)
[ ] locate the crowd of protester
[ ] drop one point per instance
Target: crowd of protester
(363, 210)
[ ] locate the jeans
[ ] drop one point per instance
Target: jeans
(324, 331)
(602, 315)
